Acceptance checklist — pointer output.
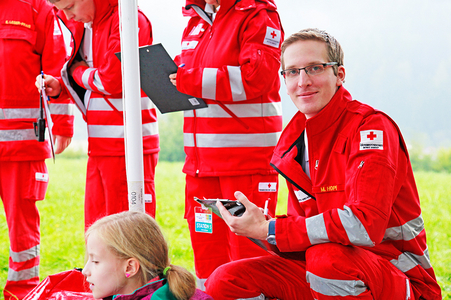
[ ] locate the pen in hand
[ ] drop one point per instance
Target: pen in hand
(42, 82)
(265, 210)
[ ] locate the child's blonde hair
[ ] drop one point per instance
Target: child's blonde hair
(137, 235)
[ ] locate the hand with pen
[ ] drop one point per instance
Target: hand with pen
(253, 223)
(173, 77)
(53, 88)
(51, 84)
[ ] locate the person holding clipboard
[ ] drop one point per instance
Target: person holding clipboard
(230, 59)
(92, 78)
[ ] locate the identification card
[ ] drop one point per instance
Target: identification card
(203, 220)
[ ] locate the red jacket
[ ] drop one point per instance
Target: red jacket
(232, 63)
(362, 191)
(103, 111)
(29, 43)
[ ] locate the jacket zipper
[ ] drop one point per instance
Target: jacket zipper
(359, 168)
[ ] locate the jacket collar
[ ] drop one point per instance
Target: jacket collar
(330, 113)
(102, 8)
(317, 124)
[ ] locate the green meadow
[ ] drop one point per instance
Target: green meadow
(62, 245)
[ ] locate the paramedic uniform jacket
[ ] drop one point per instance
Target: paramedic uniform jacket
(103, 111)
(236, 74)
(362, 191)
(30, 41)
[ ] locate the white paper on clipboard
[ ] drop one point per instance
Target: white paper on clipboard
(49, 121)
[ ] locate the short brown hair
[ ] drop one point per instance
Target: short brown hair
(334, 50)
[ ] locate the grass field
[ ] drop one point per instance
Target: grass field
(62, 245)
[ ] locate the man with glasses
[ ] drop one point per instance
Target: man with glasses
(354, 226)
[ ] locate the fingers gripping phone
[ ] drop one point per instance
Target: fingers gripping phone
(235, 208)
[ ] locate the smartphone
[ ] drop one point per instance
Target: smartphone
(235, 208)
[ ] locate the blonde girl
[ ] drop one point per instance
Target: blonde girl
(127, 257)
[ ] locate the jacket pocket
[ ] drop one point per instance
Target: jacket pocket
(38, 180)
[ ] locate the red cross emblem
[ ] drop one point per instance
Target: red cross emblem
(371, 136)
(273, 34)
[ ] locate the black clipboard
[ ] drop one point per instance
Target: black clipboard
(237, 209)
(155, 67)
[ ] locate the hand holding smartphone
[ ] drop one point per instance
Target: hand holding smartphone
(235, 208)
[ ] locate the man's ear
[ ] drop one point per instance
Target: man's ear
(132, 266)
(341, 74)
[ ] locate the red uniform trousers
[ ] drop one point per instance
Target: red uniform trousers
(222, 246)
(106, 190)
(22, 183)
(330, 271)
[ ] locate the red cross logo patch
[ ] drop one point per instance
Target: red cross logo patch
(272, 37)
(267, 186)
(371, 140)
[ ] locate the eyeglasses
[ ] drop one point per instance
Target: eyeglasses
(309, 70)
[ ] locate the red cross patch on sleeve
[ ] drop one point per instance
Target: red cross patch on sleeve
(372, 140)
(272, 37)
(267, 186)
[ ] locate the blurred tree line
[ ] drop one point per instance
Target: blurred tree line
(170, 127)
(436, 160)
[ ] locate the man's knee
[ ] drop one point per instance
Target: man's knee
(223, 278)
(322, 257)
(239, 279)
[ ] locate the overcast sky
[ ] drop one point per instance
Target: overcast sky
(397, 54)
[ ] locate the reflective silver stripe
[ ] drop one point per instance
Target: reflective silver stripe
(17, 135)
(62, 109)
(253, 110)
(19, 113)
(355, 230)
(407, 289)
(117, 131)
(316, 229)
(85, 77)
(406, 232)
(25, 255)
(334, 287)
(96, 80)
(98, 83)
(407, 261)
(24, 274)
(232, 140)
(236, 83)
(99, 104)
(209, 83)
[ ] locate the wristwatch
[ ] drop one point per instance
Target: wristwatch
(271, 238)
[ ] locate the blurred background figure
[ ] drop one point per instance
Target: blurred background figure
(92, 77)
(230, 58)
(30, 42)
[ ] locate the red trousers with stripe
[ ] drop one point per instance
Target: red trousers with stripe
(22, 183)
(330, 271)
(222, 246)
(106, 189)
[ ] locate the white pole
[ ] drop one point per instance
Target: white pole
(131, 92)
